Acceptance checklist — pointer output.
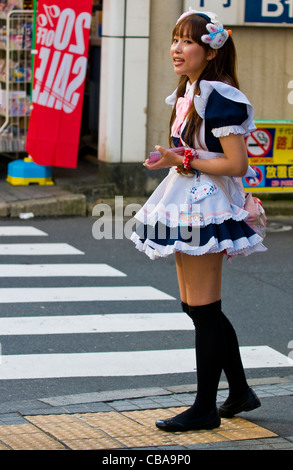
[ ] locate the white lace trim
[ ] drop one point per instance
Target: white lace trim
(227, 130)
(242, 247)
(161, 217)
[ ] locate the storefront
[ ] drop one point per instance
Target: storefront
(130, 74)
(16, 64)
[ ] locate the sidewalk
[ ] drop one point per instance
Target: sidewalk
(75, 192)
(125, 420)
(61, 199)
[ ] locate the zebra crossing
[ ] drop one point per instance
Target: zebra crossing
(91, 364)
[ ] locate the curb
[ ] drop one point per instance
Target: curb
(57, 202)
(66, 205)
(139, 398)
(77, 205)
(278, 208)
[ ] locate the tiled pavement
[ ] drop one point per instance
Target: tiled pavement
(120, 420)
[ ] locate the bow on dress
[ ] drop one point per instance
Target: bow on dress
(182, 108)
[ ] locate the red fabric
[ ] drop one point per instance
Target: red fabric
(60, 66)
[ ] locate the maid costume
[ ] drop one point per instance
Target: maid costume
(201, 213)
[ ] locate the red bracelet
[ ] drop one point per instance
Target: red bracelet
(189, 156)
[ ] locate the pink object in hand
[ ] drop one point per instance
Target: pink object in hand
(155, 156)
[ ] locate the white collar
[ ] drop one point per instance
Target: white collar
(190, 89)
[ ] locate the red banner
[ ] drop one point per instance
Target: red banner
(60, 66)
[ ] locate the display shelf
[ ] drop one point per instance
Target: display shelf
(15, 78)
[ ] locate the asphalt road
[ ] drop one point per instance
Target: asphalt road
(257, 297)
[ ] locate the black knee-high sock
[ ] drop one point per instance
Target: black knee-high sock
(232, 365)
(185, 307)
(210, 346)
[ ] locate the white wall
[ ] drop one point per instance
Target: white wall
(124, 81)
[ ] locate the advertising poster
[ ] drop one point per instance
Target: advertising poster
(60, 67)
(270, 152)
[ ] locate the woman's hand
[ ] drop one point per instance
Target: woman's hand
(167, 160)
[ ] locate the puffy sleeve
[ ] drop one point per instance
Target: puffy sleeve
(225, 109)
(224, 117)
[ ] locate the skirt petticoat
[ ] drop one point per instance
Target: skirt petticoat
(195, 215)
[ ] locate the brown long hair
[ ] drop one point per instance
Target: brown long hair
(221, 68)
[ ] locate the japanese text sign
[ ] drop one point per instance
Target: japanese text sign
(60, 66)
(270, 152)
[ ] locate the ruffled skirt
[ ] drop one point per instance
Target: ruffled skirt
(195, 215)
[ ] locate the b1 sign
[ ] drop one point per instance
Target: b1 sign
(60, 66)
(242, 12)
(269, 11)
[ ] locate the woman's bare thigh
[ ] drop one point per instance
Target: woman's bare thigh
(199, 278)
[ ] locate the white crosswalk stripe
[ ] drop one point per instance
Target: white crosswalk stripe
(92, 364)
(59, 270)
(17, 231)
(112, 323)
(129, 363)
(81, 294)
(29, 249)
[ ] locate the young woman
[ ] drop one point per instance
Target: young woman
(197, 211)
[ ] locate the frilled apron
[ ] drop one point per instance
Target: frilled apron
(195, 214)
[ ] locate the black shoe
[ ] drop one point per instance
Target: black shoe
(210, 421)
(247, 402)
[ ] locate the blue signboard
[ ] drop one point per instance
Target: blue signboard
(269, 11)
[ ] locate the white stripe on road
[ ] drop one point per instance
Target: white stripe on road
(117, 364)
(80, 294)
(19, 231)
(38, 249)
(58, 270)
(255, 357)
(113, 323)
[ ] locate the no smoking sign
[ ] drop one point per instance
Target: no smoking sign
(260, 143)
